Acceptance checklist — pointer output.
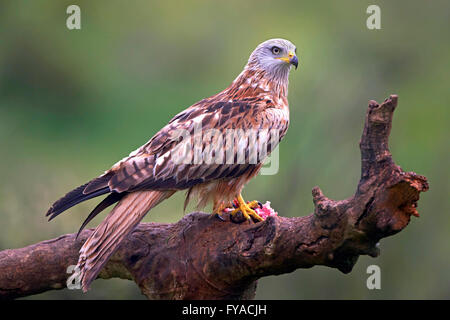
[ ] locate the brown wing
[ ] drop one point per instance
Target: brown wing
(168, 161)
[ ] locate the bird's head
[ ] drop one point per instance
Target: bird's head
(275, 57)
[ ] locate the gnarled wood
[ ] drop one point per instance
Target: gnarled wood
(202, 257)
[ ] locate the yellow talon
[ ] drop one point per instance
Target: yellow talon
(221, 207)
(253, 204)
(247, 209)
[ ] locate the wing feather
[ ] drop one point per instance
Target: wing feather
(157, 165)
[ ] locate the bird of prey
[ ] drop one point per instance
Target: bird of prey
(256, 102)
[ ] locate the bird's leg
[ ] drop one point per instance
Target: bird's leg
(247, 209)
(220, 207)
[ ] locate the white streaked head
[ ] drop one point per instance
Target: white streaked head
(275, 57)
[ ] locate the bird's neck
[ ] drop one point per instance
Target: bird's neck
(256, 83)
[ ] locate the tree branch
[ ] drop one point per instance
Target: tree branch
(201, 257)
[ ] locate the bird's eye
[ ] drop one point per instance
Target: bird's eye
(276, 50)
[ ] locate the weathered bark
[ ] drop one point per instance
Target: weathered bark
(201, 257)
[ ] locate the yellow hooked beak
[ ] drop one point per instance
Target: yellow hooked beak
(291, 58)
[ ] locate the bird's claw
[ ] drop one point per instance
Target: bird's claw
(247, 210)
(219, 217)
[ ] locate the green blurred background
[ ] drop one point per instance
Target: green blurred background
(72, 103)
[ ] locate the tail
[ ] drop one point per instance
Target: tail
(106, 238)
(94, 188)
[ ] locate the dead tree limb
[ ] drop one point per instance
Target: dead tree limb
(201, 257)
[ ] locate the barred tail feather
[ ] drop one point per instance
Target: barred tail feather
(108, 201)
(71, 199)
(106, 238)
(94, 188)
